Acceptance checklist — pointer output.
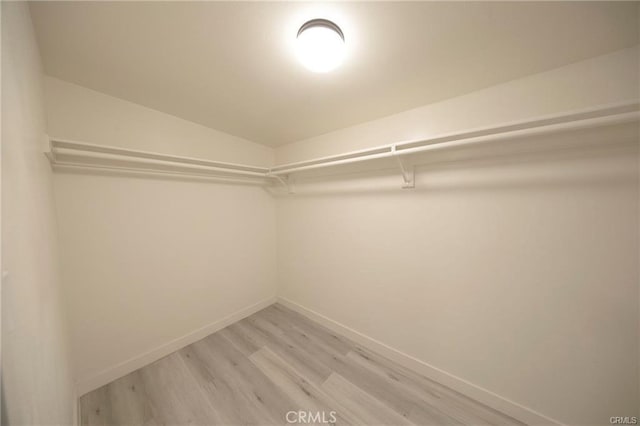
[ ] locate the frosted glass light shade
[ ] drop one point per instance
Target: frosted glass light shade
(320, 45)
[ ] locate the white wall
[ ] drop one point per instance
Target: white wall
(517, 273)
(150, 264)
(36, 379)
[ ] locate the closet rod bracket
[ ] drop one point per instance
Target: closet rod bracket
(286, 182)
(408, 172)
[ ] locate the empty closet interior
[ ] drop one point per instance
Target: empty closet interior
(431, 219)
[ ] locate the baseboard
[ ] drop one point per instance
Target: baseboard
(458, 384)
(110, 374)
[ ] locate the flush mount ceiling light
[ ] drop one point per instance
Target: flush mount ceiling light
(320, 45)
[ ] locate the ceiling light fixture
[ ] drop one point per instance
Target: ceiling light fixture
(320, 45)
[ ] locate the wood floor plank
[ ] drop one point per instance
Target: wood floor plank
(129, 400)
(121, 402)
(307, 396)
(173, 395)
(236, 387)
(269, 401)
(214, 385)
(297, 335)
(360, 404)
(453, 404)
(242, 340)
(313, 369)
(95, 409)
(313, 330)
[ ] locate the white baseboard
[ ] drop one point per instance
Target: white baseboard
(110, 374)
(458, 384)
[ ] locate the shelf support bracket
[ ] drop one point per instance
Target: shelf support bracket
(287, 182)
(408, 172)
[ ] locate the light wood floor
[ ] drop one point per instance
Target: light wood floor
(257, 370)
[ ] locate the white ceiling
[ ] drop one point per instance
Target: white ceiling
(230, 66)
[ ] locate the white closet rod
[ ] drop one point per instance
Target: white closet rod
(150, 163)
(81, 155)
(173, 173)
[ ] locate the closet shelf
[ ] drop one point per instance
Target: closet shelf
(69, 154)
